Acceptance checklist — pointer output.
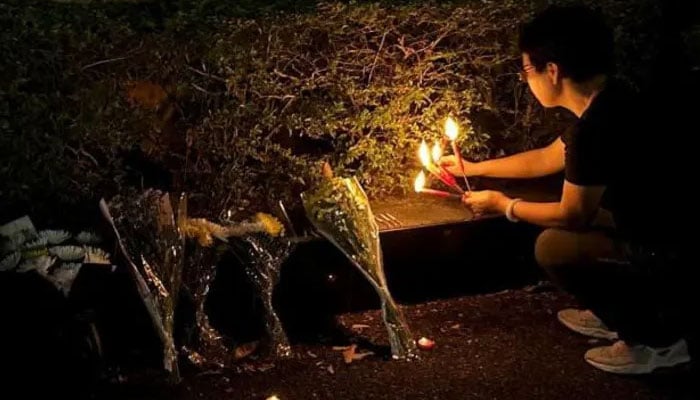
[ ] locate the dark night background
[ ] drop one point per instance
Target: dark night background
(72, 133)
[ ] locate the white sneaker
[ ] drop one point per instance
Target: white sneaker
(585, 323)
(621, 358)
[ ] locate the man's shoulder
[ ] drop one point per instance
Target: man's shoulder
(616, 106)
(617, 96)
(624, 93)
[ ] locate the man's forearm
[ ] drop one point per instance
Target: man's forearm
(549, 215)
(529, 164)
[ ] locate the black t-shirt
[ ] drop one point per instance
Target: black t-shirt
(612, 145)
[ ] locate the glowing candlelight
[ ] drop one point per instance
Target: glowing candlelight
(436, 152)
(426, 344)
(446, 178)
(424, 155)
(452, 131)
(419, 186)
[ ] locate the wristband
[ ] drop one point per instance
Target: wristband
(509, 210)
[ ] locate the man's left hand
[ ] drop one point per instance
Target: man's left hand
(486, 202)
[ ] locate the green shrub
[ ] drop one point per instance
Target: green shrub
(251, 103)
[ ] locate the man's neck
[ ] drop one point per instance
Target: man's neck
(577, 97)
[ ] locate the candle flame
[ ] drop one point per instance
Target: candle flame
(437, 152)
(424, 154)
(451, 128)
(420, 182)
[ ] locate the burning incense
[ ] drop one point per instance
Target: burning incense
(419, 187)
(447, 179)
(436, 152)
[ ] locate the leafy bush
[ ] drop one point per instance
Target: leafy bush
(238, 108)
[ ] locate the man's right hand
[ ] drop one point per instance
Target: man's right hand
(451, 165)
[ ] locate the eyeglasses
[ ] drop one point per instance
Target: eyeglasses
(523, 73)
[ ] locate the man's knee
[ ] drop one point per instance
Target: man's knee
(553, 248)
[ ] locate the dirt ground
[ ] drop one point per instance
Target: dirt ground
(506, 345)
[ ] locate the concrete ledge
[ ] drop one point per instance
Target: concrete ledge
(420, 211)
(437, 250)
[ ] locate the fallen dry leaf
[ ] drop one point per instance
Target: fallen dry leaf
(327, 171)
(360, 326)
(194, 357)
(360, 356)
(350, 354)
(245, 350)
(146, 94)
(265, 367)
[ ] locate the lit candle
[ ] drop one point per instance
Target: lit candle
(426, 344)
(419, 186)
(436, 152)
(452, 131)
(447, 179)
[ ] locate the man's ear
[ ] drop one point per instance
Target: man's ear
(553, 73)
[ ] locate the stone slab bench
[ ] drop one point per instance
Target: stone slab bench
(420, 211)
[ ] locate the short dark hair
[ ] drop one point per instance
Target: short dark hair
(574, 37)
